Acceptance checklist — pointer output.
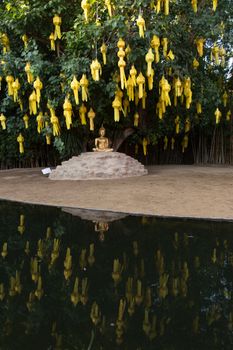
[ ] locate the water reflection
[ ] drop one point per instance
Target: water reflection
(151, 284)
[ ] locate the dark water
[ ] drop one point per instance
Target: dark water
(171, 287)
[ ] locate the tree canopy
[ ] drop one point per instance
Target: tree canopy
(160, 68)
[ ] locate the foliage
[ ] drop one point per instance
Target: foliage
(80, 44)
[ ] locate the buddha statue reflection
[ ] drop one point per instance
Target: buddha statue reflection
(102, 142)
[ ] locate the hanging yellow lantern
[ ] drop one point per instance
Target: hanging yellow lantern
(91, 117)
(3, 121)
(96, 70)
(194, 5)
(184, 143)
(32, 103)
(130, 89)
(38, 87)
(75, 87)
(136, 119)
(25, 40)
(0, 83)
(225, 99)
(215, 4)
(5, 42)
(82, 114)
(164, 43)
(177, 87)
(40, 122)
(200, 45)
(109, 7)
(15, 86)
(215, 54)
(141, 25)
(172, 143)
(150, 79)
(26, 120)
(144, 99)
(10, 80)
(158, 6)
(48, 138)
(55, 123)
(228, 116)
(177, 124)
(160, 109)
(27, 69)
(121, 44)
(67, 111)
(52, 42)
(222, 53)
(166, 7)
(121, 65)
(128, 50)
(218, 116)
(155, 44)
(20, 140)
(84, 85)
(140, 82)
(188, 92)
(165, 143)
(103, 50)
(171, 55)
(126, 106)
(199, 108)
(149, 61)
(196, 64)
(144, 145)
(57, 23)
(116, 104)
(165, 88)
(187, 125)
(86, 7)
(133, 74)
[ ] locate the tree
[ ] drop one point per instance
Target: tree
(182, 53)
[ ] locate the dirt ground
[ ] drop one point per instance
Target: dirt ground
(180, 191)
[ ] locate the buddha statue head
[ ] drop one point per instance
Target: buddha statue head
(102, 131)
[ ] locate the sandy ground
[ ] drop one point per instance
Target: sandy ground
(181, 191)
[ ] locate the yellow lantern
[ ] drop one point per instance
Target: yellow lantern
(27, 69)
(10, 80)
(57, 22)
(218, 116)
(15, 86)
(84, 86)
(103, 50)
(26, 120)
(86, 7)
(155, 43)
(40, 122)
(52, 42)
(91, 117)
(32, 103)
(67, 111)
(116, 104)
(20, 140)
(141, 82)
(38, 87)
(82, 114)
(141, 25)
(3, 121)
(149, 61)
(75, 87)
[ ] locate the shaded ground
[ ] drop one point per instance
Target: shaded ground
(183, 191)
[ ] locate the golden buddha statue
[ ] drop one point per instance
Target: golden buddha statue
(102, 142)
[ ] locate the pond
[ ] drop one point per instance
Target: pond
(74, 279)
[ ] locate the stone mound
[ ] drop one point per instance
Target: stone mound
(97, 166)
